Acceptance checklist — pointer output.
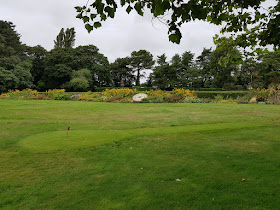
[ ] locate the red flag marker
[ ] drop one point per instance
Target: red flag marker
(68, 129)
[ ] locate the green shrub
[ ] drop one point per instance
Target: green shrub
(78, 84)
(64, 97)
(261, 94)
(224, 94)
(244, 99)
(173, 98)
(153, 99)
(193, 100)
(219, 97)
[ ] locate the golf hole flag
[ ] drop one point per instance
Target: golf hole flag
(68, 129)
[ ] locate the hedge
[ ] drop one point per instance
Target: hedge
(225, 94)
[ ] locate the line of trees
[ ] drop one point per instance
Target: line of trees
(85, 68)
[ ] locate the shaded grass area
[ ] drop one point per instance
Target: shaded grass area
(129, 155)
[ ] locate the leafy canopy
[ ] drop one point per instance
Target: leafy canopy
(259, 25)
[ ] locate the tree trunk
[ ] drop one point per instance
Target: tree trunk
(138, 78)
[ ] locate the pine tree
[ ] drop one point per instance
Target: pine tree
(65, 39)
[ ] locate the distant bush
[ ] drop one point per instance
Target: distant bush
(153, 99)
(141, 89)
(224, 94)
(78, 84)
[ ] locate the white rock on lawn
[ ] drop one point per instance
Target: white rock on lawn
(138, 97)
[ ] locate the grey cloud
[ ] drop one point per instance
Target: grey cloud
(39, 22)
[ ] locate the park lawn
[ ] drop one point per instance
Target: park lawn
(138, 156)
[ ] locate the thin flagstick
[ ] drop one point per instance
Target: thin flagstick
(68, 129)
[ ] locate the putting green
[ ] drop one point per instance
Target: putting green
(57, 140)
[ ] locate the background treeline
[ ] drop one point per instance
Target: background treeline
(85, 68)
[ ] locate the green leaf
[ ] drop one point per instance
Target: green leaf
(110, 11)
(138, 8)
(122, 2)
(78, 9)
(97, 24)
(92, 16)
(80, 16)
(89, 27)
(86, 19)
(128, 9)
(175, 38)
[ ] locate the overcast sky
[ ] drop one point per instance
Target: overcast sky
(39, 22)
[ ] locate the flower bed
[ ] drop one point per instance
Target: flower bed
(177, 95)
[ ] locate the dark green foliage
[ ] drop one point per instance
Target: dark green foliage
(7, 80)
(164, 75)
(88, 57)
(64, 97)
(203, 66)
(186, 74)
(224, 94)
(10, 37)
(246, 73)
(257, 25)
(222, 67)
(24, 77)
(269, 69)
(224, 63)
(141, 60)
(59, 64)
(37, 55)
(122, 72)
(65, 39)
(81, 80)
(101, 89)
(10, 46)
(78, 84)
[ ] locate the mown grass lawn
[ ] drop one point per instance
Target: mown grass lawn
(138, 156)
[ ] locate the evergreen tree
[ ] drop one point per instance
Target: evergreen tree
(165, 77)
(203, 65)
(141, 60)
(122, 72)
(65, 39)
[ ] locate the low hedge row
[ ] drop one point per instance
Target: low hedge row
(224, 94)
(101, 89)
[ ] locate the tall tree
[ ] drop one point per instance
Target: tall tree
(59, 64)
(37, 55)
(224, 63)
(165, 77)
(269, 68)
(247, 74)
(65, 39)
(23, 73)
(10, 46)
(185, 76)
(141, 60)
(122, 72)
(203, 64)
(69, 37)
(7, 80)
(10, 36)
(90, 58)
